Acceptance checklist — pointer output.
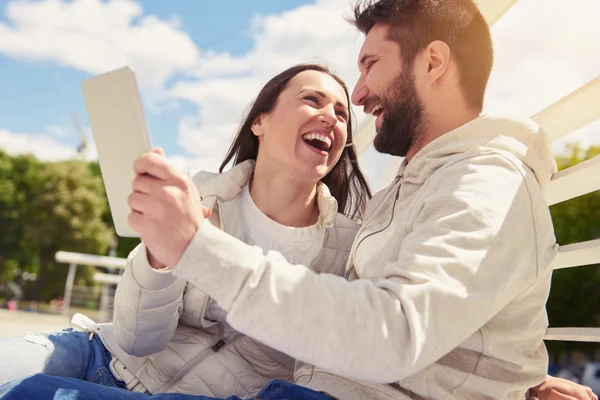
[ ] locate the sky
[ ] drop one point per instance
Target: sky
(199, 64)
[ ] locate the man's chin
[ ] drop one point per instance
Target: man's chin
(380, 143)
(385, 143)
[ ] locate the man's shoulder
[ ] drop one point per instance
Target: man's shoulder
(481, 165)
(480, 179)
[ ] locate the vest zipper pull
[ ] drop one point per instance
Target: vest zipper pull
(219, 345)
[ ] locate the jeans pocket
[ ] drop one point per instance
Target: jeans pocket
(274, 389)
(103, 377)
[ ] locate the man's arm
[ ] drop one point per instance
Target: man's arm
(453, 272)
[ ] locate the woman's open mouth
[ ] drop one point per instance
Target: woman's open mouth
(318, 142)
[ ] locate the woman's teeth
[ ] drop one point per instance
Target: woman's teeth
(320, 141)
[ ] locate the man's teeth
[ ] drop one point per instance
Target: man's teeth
(376, 108)
(318, 136)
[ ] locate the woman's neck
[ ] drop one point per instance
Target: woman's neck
(283, 199)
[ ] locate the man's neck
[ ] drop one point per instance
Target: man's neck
(443, 123)
(285, 200)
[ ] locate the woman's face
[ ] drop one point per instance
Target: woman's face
(305, 133)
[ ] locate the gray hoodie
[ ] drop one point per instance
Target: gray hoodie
(448, 278)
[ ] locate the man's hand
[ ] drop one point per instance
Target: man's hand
(561, 389)
(165, 209)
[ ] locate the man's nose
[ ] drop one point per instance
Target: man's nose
(360, 92)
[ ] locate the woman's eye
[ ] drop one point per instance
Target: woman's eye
(312, 98)
(343, 115)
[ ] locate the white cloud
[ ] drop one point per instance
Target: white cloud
(94, 37)
(59, 131)
(42, 147)
(225, 84)
(208, 145)
(541, 55)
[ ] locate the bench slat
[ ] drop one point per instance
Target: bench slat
(577, 254)
(575, 181)
(572, 112)
(574, 334)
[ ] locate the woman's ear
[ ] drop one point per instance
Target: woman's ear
(257, 127)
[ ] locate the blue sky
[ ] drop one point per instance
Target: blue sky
(41, 96)
(199, 63)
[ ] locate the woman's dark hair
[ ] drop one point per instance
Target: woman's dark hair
(345, 180)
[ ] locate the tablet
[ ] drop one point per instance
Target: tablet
(120, 133)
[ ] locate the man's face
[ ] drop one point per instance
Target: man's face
(386, 89)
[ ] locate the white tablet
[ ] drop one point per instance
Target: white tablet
(120, 134)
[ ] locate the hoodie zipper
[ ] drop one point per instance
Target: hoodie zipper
(399, 183)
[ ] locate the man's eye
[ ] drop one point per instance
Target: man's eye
(312, 98)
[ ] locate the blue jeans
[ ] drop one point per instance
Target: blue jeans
(67, 353)
(56, 388)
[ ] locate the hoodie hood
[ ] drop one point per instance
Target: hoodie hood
(524, 139)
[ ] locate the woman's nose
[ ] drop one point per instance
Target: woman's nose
(328, 116)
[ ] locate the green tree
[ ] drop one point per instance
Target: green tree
(16, 184)
(8, 212)
(123, 245)
(574, 297)
(65, 211)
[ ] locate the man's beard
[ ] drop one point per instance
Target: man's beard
(402, 125)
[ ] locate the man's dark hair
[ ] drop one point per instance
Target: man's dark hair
(413, 24)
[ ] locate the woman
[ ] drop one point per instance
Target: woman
(294, 177)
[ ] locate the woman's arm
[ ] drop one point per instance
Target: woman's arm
(554, 388)
(148, 303)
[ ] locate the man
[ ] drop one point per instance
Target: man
(450, 272)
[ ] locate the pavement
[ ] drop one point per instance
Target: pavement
(19, 323)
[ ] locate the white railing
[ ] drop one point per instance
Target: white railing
(575, 181)
(574, 111)
(109, 281)
(578, 254)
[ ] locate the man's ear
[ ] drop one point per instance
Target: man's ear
(436, 57)
(257, 127)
